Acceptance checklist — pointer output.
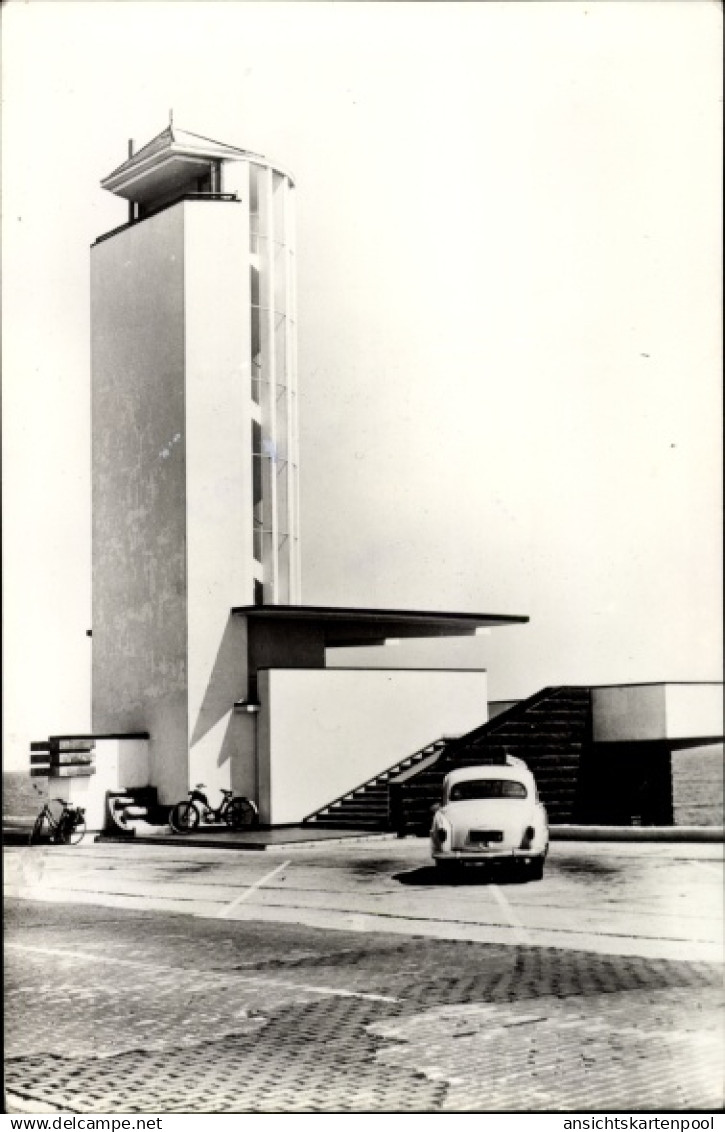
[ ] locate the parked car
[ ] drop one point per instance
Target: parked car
(491, 813)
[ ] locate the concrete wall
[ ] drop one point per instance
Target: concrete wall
(172, 494)
(693, 710)
(287, 645)
(624, 714)
(219, 486)
(120, 763)
(322, 733)
(498, 707)
(133, 762)
(138, 471)
(90, 793)
(243, 733)
(636, 712)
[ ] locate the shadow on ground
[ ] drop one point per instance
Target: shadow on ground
(466, 875)
(588, 868)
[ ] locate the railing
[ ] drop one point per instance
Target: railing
(410, 760)
(169, 204)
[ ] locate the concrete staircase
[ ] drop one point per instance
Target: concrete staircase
(133, 811)
(366, 807)
(549, 731)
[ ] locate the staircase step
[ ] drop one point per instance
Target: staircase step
(359, 800)
(339, 823)
(548, 732)
(357, 811)
(532, 748)
(132, 813)
(367, 804)
(378, 820)
(134, 809)
(354, 815)
(554, 773)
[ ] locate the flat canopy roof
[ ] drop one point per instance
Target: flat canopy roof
(343, 627)
(169, 159)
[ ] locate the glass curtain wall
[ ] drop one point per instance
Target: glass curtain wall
(274, 385)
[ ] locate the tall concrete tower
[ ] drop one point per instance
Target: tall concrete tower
(206, 666)
(195, 437)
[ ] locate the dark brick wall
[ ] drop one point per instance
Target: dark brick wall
(697, 786)
(549, 731)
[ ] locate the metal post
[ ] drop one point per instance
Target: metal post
(295, 548)
(290, 329)
(272, 402)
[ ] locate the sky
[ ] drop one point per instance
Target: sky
(509, 291)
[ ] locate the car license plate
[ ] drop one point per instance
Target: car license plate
(485, 836)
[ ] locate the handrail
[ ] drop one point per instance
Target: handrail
(418, 755)
(424, 764)
(491, 726)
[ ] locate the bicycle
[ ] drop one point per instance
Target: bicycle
(67, 829)
(236, 812)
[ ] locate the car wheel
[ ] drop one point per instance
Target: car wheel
(536, 869)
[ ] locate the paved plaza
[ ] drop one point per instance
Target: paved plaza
(158, 981)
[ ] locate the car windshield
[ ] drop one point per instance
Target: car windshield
(486, 788)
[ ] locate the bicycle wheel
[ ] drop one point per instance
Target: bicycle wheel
(37, 830)
(242, 812)
(184, 817)
(75, 830)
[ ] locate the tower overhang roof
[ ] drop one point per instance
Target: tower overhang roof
(344, 627)
(167, 161)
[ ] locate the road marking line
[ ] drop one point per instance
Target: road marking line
(412, 918)
(218, 973)
(513, 919)
(224, 912)
(135, 903)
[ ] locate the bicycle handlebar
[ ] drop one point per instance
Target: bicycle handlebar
(202, 786)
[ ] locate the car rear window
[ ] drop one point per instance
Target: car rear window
(486, 788)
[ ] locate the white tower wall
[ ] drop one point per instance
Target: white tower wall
(194, 408)
(218, 478)
(139, 670)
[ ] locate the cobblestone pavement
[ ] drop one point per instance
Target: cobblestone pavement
(147, 1012)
